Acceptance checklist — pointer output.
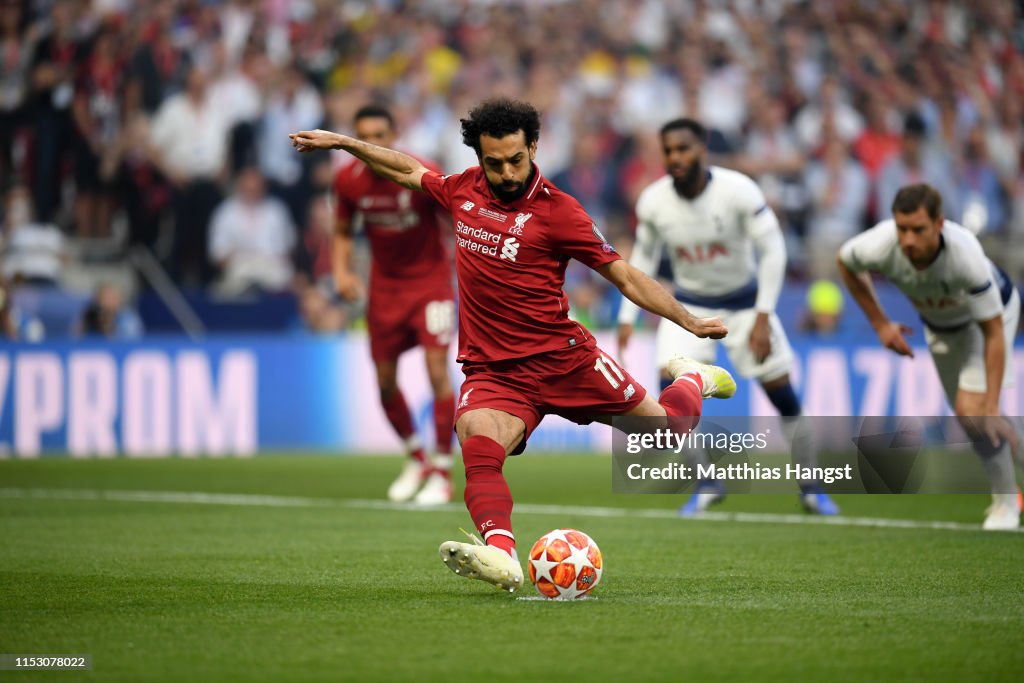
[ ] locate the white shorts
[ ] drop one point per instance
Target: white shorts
(673, 340)
(959, 356)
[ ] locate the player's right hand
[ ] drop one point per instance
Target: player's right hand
(349, 287)
(705, 328)
(309, 140)
(892, 337)
(998, 429)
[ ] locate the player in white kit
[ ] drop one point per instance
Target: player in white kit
(728, 259)
(970, 310)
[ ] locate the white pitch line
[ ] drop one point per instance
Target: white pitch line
(251, 500)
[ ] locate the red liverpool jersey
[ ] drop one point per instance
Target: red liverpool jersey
(510, 262)
(402, 225)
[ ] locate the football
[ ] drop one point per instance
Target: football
(565, 564)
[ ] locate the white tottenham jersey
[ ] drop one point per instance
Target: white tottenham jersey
(961, 286)
(712, 241)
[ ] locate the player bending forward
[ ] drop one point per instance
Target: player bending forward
(410, 300)
(712, 221)
(522, 356)
(970, 311)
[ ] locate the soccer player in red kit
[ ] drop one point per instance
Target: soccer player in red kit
(521, 355)
(410, 299)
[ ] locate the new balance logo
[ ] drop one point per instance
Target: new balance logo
(467, 206)
(510, 249)
(628, 392)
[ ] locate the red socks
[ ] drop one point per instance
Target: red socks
(682, 399)
(444, 416)
(398, 415)
(487, 495)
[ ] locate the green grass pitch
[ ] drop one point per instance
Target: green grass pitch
(296, 576)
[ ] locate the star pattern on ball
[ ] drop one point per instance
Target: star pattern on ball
(565, 564)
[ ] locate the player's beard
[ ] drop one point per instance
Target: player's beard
(506, 194)
(688, 182)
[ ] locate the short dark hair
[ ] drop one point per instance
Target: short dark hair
(498, 117)
(910, 198)
(374, 111)
(692, 125)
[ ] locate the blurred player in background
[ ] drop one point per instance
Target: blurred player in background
(712, 221)
(970, 310)
(411, 301)
(522, 356)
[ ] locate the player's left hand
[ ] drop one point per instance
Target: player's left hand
(705, 328)
(760, 341)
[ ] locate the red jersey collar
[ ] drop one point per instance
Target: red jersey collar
(522, 202)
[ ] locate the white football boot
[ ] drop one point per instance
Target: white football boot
(408, 482)
(718, 383)
(483, 562)
(437, 490)
(1003, 514)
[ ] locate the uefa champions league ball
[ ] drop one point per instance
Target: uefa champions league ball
(565, 564)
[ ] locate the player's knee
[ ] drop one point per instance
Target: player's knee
(784, 398)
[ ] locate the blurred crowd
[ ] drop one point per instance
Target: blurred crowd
(162, 124)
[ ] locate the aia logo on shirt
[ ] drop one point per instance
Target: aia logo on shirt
(940, 302)
(701, 253)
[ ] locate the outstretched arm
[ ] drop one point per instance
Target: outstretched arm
(651, 296)
(890, 333)
(395, 166)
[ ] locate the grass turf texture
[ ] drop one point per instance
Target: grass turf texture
(163, 591)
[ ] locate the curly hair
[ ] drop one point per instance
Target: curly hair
(499, 117)
(692, 125)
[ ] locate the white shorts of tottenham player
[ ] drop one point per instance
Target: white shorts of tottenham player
(673, 340)
(959, 354)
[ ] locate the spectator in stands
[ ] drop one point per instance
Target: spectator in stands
(838, 189)
(980, 195)
(251, 239)
(16, 45)
(829, 113)
(916, 163)
(591, 178)
(34, 252)
(188, 143)
(96, 112)
(142, 191)
(293, 102)
(108, 316)
(53, 64)
(160, 66)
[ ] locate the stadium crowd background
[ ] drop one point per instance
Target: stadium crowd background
(148, 181)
